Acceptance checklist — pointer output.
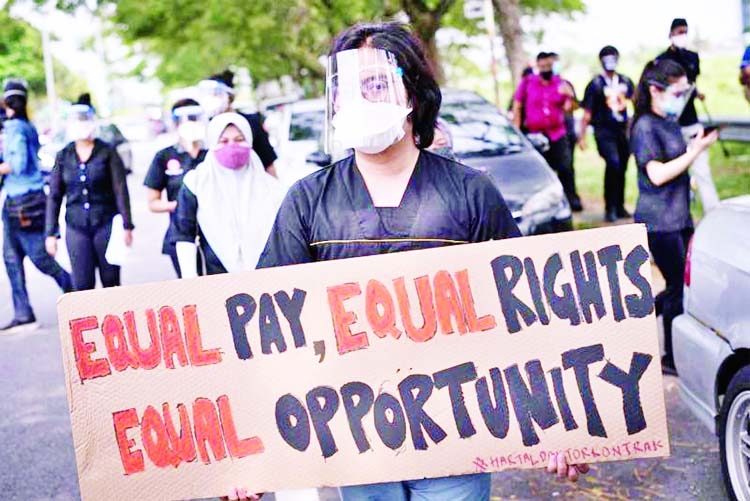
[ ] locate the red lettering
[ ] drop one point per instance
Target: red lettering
(616, 450)
(207, 430)
(494, 462)
(155, 439)
(147, 358)
(485, 323)
(198, 356)
(343, 319)
(181, 444)
(448, 304)
(627, 448)
(117, 347)
(171, 338)
(132, 461)
(377, 298)
(637, 446)
(238, 448)
(658, 445)
(426, 305)
(88, 368)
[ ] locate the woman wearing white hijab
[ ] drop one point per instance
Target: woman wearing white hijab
(229, 201)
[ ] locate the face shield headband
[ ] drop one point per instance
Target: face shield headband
(367, 103)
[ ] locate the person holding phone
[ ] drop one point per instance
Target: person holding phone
(663, 158)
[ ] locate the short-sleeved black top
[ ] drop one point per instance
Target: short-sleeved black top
(666, 207)
(94, 190)
(165, 173)
(330, 215)
(690, 61)
(595, 101)
(261, 144)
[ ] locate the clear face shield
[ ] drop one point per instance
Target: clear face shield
(80, 123)
(367, 103)
(191, 122)
(214, 97)
(675, 98)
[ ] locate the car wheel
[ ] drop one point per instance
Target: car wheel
(734, 436)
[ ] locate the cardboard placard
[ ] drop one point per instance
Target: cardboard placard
(463, 359)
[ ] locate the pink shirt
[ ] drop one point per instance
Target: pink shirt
(542, 104)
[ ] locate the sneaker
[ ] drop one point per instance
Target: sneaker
(575, 205)
(623, 213)
(15, 326)
(610, 215)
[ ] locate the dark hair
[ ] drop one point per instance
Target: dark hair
(608, 50)
(419, 81)
(226, 77)
(18, 105)
(84, 98)
(677, 23)
(543, 55)
(659, 73)
(184, 102)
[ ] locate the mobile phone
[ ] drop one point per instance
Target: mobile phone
(709, 129)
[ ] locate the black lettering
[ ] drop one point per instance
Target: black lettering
(580, 359)
(392, 433)
(496, 416)
(510, 303)
(562, 400)
(534, 403)
(638, 307)
(270, 330)
(292, 310)
(453, 378)
(563, 306)
(240, 310)
(356, 410)
(416, 415)
(628, 382)
(587, 285)
(293, 422)
(609, 257)
(323, 402)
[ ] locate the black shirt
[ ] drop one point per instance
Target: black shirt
(165, 173)
(329, 214)
(95, 190)
(690, 61)
(261, 144)
(603, 118)
(186, 229)
(666, 207)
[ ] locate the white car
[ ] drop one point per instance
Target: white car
(711, 339)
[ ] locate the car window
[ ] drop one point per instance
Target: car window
(306, 126)
(478, 129)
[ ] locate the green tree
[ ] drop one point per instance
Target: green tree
(21, 52)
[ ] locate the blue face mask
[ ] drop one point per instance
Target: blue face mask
(672, 105)
(556, 68)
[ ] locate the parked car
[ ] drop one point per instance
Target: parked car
(106, 131)
(711, 339)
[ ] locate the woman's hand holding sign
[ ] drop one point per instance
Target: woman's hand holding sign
(558, 463)
(241, 494)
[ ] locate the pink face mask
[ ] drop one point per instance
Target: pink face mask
(233, 156)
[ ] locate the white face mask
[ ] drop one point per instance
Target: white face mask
(680, 41)
(80, 130)
(191, 131)
(370, 127)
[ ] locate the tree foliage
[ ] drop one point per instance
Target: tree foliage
(21, 52)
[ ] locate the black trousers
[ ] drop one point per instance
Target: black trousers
(669, 250)
(558, 157)
(615, 150)
(86, 248)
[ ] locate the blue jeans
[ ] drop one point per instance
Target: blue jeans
(475, 487)
(18, 244)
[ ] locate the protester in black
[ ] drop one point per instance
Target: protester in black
(605, 107)
(390, 196)
(90, 175)
(217, 96)
(170, 165)
(663, 158)
(691, 127)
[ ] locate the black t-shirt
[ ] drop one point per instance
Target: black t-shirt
(666, 207)
(165, 173)
(329, 214)
(261, 144)
(595, 100)
(690, 61)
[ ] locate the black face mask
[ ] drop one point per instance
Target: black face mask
(547, 75)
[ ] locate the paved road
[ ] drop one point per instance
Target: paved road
(36, 451)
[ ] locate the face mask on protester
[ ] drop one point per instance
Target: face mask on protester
(367, 101)
(609, 63)
(556, 68)
(673, 103)
(80, 130)
(233, 155)
(679, 41)
(192, 132)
